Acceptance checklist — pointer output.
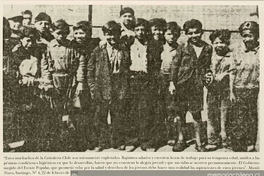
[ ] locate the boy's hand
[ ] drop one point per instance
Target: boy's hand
(232, 98)
(208, 78)
(79, 89)
(172, 88)
(16, 47)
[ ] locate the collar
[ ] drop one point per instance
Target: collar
(255, 50)
(169, 48)
(54, 43)
(137, 42)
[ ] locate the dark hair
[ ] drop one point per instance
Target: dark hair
(27, 12)
(159, 22)
(193, 23)
(173, 26)
(6, 29)
(141, 22)
(86, 26)
(223, 34)
(127, 10)
(112, 27)
(29, 32)
(62, 25)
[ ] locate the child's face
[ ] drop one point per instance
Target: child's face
(111, 38)
(140, 32)
(127, 18)
(27, 42)
(26, 19)
(194, 35)
(171, 36)
(42, 26)
(15, 25)
(220, 46)
(79, 35)
(157, 32)
(59, 35)
(249, 39)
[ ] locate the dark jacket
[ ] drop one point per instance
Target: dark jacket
(187, 66)
(99, 75)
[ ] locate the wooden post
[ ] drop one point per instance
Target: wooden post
(90, 14)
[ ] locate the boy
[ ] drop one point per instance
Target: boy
(62, 67)
(107, 78)
(154, 49)
(244, 123)
(27, 58)
(220, 89)
(171, 34)
(127, 17)
(138, 82)
(188, 69)
(42, 24)
(27, 18)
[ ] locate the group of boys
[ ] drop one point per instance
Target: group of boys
(143, 79)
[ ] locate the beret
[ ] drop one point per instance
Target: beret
(42, 17)
(127, 10)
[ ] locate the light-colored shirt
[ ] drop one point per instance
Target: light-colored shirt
(138, 53)
(58, 54)
(112, 55)
(198, 50)
(222, 64)
(247, 69)
(166, 56)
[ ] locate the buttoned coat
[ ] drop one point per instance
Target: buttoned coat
(99, 73)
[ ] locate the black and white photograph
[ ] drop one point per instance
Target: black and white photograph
(131, 78)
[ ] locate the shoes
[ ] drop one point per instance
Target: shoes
(122, 147)
(90, 147)
(171, 142)
(179, 146)
(99, 149)
(144, 146)
(211, 147)
(200, 149)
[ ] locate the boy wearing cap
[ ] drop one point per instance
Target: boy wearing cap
(127, 17)
(220, 89)
(15, 24)
(244, 123)
(42, 24)
(188, 69)
(107, 78)
(171, 34)
(27, 18)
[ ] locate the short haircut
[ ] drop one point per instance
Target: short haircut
(29, 32)
(159, 22)
(223, 34)
(112, 27)
(86, 26)
(62, 25)
(141, 22)
(127, 10)
(193, 23)
(27, 12)
(173, 26)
